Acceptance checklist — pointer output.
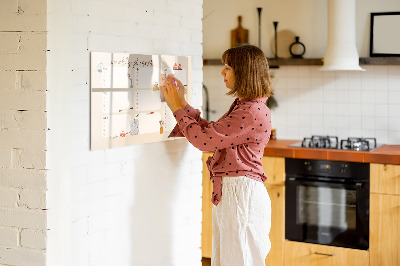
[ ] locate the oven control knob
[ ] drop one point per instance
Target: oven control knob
(308, 166)
(343, 168)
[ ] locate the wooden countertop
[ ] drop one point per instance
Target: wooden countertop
(389, 154)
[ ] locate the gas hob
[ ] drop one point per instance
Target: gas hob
(332, 142)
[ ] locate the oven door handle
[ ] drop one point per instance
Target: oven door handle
(357, 185)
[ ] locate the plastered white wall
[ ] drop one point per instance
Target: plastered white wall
(136, 205)
(23, 215)
(311, 102)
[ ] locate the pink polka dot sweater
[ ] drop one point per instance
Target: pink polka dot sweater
(238, 139)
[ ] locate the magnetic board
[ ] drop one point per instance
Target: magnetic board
(127, 105)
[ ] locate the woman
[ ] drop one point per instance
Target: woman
(242, 208)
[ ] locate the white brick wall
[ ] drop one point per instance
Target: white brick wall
(137, 205)
(23, 132)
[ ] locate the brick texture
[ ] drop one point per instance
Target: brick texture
(23, 125)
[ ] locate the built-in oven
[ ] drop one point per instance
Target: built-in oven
(327, 202)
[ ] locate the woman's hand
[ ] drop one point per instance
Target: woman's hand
(181, 89)
(173, 93)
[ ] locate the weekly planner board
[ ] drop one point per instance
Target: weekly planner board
(127, 104)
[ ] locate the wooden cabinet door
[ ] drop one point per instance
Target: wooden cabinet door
(274, 168)
(384, 236)
(304, 254)
(206, 226)
(385, 178)
(277, 233)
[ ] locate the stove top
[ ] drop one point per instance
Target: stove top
(332, 142)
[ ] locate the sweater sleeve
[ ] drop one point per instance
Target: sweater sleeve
(229, 131)
(193, 113)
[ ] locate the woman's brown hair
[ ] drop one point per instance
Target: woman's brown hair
(250, 66)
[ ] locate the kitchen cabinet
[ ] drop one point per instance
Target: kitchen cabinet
(305, 254)
(385, 215)
(206, 225)
(274, 168)
(385, 178)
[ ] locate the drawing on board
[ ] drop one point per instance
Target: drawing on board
(127, 105)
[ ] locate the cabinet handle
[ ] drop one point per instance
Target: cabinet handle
(324, 254)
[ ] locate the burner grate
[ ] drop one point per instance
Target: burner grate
(327, 142)
(358, 144)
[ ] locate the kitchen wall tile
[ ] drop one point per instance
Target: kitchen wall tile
(380, 71)
(292, 133)
(367, 109)
(394, 137)
(317, 108)
(293, 120)
(316, 82)
(355, 96)
(317, 95)
(367, 81)
(304, 131)
(369, 70)
(355, 132)
(381, 136)
(278, 83)
(368, 122)
(342, 122)
(329, 121)
(394, 97)
(381, 123)
(394, 110)
(355, 109)
(342, 133)
(380, 97)
(354, 80)
(324, 100)
(328, 74)
(367, 133)
(329, 109)
(330, 131)
(317, 131)
(394, 123)
(304, 109)
(342, 80)
(342, 96)
(304, 72)
(329, 93)
(367, 96)
(291, 71)
(394, 82)
(317, 120)
(303, 82)
(342, 109)
(292, 83)
(381, 84)
(354, 122)
(315, 72)
(393, 71)
(279, 72)
(382, 110)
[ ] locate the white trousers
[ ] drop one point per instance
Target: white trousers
(241, 223)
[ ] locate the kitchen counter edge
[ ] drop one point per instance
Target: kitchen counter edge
(385, 154)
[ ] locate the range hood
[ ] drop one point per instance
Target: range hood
(341, 51)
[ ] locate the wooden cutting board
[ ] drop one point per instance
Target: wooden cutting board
(239, 35)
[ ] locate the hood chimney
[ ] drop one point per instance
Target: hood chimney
(341, 51)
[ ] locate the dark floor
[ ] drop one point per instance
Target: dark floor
(206, 261)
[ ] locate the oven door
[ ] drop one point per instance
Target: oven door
(327, 213)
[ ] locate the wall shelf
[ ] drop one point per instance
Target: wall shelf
(274, 63)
